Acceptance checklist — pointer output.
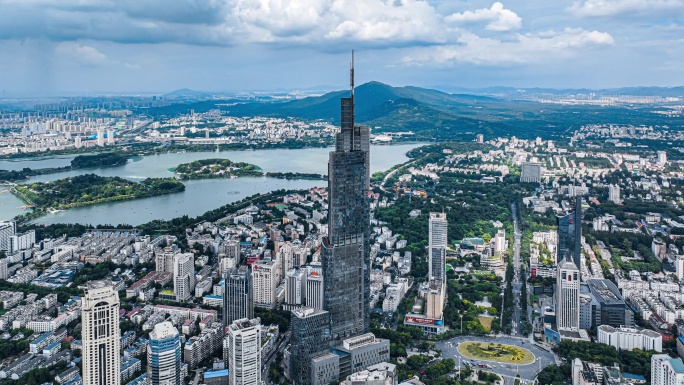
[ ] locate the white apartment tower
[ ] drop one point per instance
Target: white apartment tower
(666, 370)
(500, 242)
(314, 289)
(242, 351)
(568, 296)
(100, 334)
(265, 278)
(662, 158)
(183, 276)
(437, 246)
(614, 193)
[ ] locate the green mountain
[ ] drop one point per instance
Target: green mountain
(430, 114)
(436, 115)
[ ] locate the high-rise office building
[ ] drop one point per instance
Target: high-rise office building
(265, 277)
(243, 352)
(164, 355)
(570, 235)
(530, 172)
(238, 300)
(310, 328)
(437, 246)
(100, 334)
(567, 296)
(610, 308)
(183, 276)
(346, 248)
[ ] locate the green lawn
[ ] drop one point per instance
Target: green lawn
(506, 354)
(486, 321)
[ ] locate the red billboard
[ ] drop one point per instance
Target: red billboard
(419, 320)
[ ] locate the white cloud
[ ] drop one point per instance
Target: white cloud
(523, 48)
(621, 7)
(498, 18)
(83, 54)
(87, 56)
(321, 21)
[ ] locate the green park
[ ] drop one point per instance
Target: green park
(506, 354)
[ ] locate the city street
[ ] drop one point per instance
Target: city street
(527, 372)
(517, 279)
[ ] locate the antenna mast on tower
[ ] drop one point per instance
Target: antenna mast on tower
(351, 84)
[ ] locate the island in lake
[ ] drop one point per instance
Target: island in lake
(90, 189)
(216, 168)
(105, 159)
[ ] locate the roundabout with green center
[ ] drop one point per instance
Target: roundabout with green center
(507, 354)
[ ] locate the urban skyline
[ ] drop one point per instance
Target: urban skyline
(376, 235)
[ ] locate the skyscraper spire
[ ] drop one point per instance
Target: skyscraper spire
(351, 84)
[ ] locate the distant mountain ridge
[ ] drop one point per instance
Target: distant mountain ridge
(435, 115)
(677, 91)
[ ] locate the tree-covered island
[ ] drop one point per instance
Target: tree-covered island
(90, 189)
(216, 168)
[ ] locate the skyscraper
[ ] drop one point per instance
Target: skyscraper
(243, 352)
(570, 235)
(100, 334)
(238, 300)
(567, 296)
(310, 328)
(183, 276)
(164, 355)
(437, 246)
(346, 249)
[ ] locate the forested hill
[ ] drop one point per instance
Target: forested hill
(435, 115)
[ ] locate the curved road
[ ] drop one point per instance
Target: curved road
(527, 372)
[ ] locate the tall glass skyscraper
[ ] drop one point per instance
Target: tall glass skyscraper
(164, 355)
(570, 236)
(238, 299)
(346, 249)
(437, 246)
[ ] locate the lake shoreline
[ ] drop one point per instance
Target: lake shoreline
(200, 195)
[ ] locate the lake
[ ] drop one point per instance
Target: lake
(199, 196)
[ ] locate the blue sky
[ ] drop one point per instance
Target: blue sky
(93, 46)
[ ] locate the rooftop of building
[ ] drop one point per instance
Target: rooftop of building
(631, 329)
(304, 311)
(99, 284)
(163, 330)
(677, 365)
(605, 291)
(632, 376)
(245, 323)
(567, 264)
(216, 373)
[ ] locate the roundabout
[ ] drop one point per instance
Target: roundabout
(495, 352)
